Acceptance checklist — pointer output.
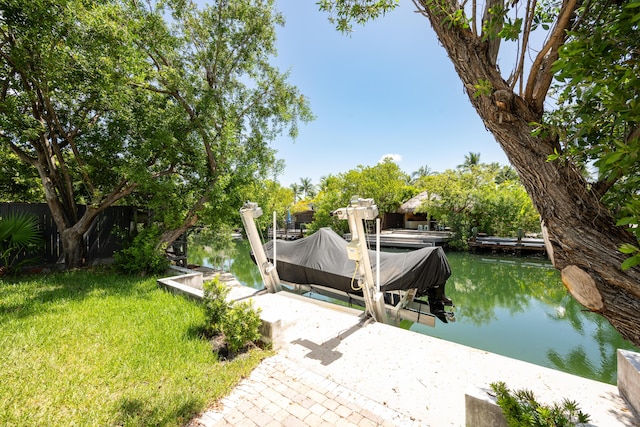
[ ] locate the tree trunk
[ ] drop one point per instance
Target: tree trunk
(170, 236)
(190, 220)
(581, 235)
(73, 248)
(65, 215)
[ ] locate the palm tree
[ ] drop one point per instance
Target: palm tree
(470, 160)
(312, 192)
(18, 232)
(307, 187)
(422, 171)
(296, 191)
(324, 182)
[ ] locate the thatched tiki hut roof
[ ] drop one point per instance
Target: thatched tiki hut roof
(412, 204)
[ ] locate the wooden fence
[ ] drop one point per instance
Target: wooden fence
(100, 240)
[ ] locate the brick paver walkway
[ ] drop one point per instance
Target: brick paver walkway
(280, 393)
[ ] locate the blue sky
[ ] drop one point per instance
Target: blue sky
(388, 88)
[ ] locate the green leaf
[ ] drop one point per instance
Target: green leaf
(626, 221)
(630, 262)
(553, 157)
(511, 30)
(613, 157)
(627, 248)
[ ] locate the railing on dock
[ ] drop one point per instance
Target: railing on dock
(407, 239)
(293, 230)
(518, 246)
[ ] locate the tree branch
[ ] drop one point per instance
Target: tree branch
(46, 148)
(474, 27)
(67, 137)
(151, 88)
(492, 39)
(22, 155)
(633, 134)
(600, 188)
(123, 189)
(541, 76)
(51, 142)
(518, 74)
(216, 58)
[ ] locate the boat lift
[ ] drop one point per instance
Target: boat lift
(385, 307)
(249, 212)
(356, 213)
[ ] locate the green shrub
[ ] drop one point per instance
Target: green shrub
(521, 409)
(241, 326)
(143, 255)
(237, 323)
(216, 306)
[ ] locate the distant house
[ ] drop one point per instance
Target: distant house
(412, 220)
(304, 217)
(303, 214)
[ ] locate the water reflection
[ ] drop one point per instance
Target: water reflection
(516, 307)
(235, 259)
(519, 308)
(482, 284)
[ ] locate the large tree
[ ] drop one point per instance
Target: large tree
(160, 100)
(580, 227)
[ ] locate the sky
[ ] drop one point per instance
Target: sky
(387, 89)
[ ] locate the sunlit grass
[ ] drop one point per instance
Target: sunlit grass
(92, 348)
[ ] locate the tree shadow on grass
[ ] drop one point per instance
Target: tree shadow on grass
(24, 296)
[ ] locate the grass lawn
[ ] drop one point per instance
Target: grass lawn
(93, 348)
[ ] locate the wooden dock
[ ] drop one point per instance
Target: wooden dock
(517, 246)
(407, 239)
(287, 234)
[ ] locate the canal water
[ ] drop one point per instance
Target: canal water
(516, 307)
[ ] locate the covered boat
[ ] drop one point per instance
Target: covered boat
(322, 259)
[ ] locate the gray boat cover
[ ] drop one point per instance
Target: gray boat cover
(321, 259)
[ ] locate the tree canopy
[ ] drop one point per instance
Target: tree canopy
(488, 197)
(385, 183)
(155, 102)
(479, 198)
